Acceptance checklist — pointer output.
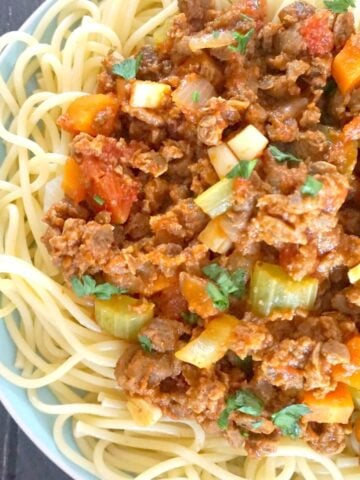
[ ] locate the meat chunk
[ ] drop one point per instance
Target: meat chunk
(283, 365)
(328, 439)
(343, 29)
(195, 11)
(77, 246)
(180, 224)
(249, 338)
(140, 373)
(164, 333)
(295, 12)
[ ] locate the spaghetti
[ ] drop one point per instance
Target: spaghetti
(58, 345)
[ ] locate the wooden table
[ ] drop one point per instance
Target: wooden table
(19, 458)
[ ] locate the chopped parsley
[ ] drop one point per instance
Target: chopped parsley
(242, 41)
(216, 34)
(228, 283)
(243, 169)
(339, 6)
(191, 318)
(219, 299)
(311, 186)
(242, 401)
(287, 419)
(87, 285)
(282, 156)
(145, 343)
(128, 68)
(97, 199)
(195, 96)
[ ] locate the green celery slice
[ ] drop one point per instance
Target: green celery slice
(271, 289)
(123, 316)
(217, 199)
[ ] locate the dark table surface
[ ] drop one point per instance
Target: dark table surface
(19, 458)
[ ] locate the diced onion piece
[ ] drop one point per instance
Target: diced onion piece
(146, 94)
(194, 291)
(193, 93)
(216, 199)
(211, 40)
(123, 316)
(214, 237)
(143, 412)
(354, 274)
(271, 289)
(222, 159)
(212, 343)
(248, 144)
(53, 192)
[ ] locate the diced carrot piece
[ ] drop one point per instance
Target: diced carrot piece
(92, 114)
(350, 374)
(346, 65)
(335, 407)
(72, 184)
(193, 289)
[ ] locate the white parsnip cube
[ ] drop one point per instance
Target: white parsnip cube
(248, 144)
(143, 412)
(146, 94)
(222, 159)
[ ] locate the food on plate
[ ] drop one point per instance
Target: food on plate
(200, 245)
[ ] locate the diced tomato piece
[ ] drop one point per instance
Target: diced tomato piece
(316, 32)
(117, 191)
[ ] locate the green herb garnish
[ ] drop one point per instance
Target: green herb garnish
(145, 343)
(282, 156)
(195, 96)
(128, 68)
(287, 419)
(242, 401)
(219, 299)
(87, 285)
(229, 283)
(216, 34)
(97, 199)
(242, 41)
(311, 186)
(191, 318)
(339, 6)
(243, 169)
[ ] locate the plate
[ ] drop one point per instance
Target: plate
(36, 425)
